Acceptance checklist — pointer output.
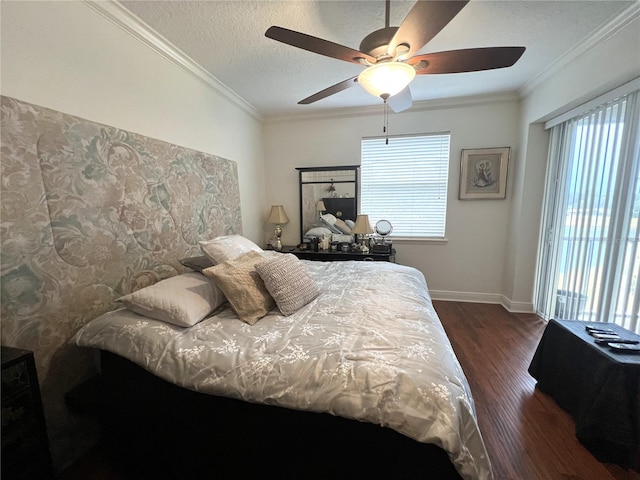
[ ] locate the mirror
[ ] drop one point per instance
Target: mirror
(383, 228)
(327, 190)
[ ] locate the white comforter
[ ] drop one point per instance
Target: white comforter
(370, 348)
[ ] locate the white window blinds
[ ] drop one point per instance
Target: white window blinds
(405, 182)
(590, 260)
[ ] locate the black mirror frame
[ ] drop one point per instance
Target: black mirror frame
(301, 170)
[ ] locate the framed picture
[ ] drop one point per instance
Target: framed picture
(483, 173)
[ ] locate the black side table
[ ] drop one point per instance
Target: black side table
(25, 445)
(598, 387)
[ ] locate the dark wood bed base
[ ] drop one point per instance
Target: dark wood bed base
(154, 429)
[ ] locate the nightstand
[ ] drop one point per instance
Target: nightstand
(25, 445)
(339, 256)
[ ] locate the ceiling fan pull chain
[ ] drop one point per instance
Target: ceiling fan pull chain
(385, 128)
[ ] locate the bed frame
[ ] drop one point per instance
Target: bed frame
(154, 429)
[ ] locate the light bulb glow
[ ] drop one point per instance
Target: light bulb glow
(386, 78)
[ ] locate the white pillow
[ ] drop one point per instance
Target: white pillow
(227, 247)
(328, 218)
(329, 221)
(318, 232)
(350, 223)
(182, 300)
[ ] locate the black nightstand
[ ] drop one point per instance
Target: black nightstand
(329, 256)
(25, 445)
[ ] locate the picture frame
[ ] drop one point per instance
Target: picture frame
(483, 173)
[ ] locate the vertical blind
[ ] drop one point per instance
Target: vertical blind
(589, 265)
(405, 182)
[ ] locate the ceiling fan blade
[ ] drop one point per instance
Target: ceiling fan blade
(338, 87)
(401, 101)
(317, 45)
(466, 60)
(424, 21)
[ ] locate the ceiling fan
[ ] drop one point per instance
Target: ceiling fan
(389, 54)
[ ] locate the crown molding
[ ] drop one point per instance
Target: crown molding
(426, 105)
(123, 18)
(616, 24)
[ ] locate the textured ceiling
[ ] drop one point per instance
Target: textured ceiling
(227, 39)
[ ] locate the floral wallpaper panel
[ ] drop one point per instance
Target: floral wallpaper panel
(89, 213)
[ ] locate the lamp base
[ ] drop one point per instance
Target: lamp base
(278, 233)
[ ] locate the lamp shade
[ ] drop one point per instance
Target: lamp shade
(320, 206)
(277, 215)
(387, 78)
(362, 226)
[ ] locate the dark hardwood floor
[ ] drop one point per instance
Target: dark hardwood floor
(528, 436)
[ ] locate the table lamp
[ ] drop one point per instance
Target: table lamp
(362, 228)
(278, 216)
(320, 207)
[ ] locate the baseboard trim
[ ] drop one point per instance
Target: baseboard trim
(495, 298)
(518, 307)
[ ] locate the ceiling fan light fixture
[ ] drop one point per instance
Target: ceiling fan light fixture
(387, 78)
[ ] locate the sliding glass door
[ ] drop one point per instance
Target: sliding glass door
(590, 256)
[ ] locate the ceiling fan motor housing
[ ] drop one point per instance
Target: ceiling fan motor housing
(376, 43)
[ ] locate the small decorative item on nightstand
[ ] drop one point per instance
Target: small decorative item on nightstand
(278, 216)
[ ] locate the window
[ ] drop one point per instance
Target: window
(590, 259)
(405, 182)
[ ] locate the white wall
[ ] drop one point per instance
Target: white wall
(611, 62)
(471, 263)
(68, 57)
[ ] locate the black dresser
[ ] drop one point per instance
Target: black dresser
(339, 256)
(25, 446)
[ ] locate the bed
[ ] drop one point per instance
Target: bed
(360, 381)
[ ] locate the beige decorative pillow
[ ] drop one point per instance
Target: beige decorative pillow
(182, 300)
(343, 227)
(227, 247)
(288, 281)
(242, 286)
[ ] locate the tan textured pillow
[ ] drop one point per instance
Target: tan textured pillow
(288, 281)
(243, 287)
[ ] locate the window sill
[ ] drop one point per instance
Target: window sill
(418, 240)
